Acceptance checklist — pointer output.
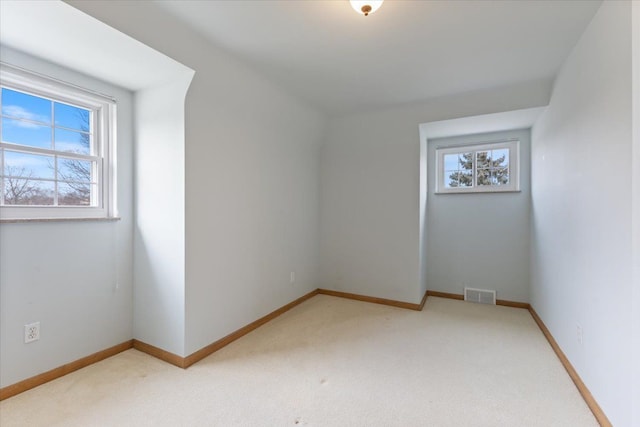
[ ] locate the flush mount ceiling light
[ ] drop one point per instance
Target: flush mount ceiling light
(366, 7)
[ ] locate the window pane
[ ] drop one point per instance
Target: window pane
(466, 179)
(451, 179)
(451, 162)
(458, 179)
(72, 142)
(71, 117)
(500, 176)
(74, 170)
(74, 194)
(27, 191)
(466, 161)
(26, 133)
(482, 159)
(28, 165)
(483, 176)
(500, 158)
(20, 105)
(484, 167)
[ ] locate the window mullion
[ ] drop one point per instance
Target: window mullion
(53, 127)
(495, 182)
(55, 158)
(55, 181)
(45, 151)
(81, 198)
(474, 168)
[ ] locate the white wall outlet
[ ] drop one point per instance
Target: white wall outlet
(32, 332)
(579, 333)
(292, 277)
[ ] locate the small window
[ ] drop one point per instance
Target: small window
(487, 167)
(56, 149)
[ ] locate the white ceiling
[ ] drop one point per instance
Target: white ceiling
(71, 39)
(407, 51)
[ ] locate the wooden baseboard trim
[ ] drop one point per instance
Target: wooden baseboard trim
(514, 304)
(424, 300)
(45, 377)
(582, 388)
(460, 297)
(375, 300)
(159, 353)
(212, 348)
(445, 295)
(174, 359)
(185, 362)
(598, 413)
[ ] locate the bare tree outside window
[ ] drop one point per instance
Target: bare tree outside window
(22, 189)
(54, 160)
(76, 173)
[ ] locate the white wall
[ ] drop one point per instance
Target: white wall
(581, 194)
(370, 177)
(63, 274)
(252, 200)
(251, 180)
(159, 237)
(480, 240)
(635, 209)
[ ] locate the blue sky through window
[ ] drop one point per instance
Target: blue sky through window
(25, 106)
(27, 121)
(71, 117)
(31, 122)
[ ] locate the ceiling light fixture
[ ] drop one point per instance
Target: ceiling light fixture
(366, 6)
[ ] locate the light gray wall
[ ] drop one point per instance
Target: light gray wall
(159, 236)
(63, 274)
(635, 209)
(582, 219)
(251, 180)
(252, 200)
(480, 240)
(370, 181)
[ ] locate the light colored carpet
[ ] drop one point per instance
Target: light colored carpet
(332, 362)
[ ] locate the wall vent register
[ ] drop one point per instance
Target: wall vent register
(482, 296)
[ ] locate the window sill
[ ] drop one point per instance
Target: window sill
(476, 192)
(19, 220)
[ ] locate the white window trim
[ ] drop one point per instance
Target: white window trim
(514, 170)
(104, 128)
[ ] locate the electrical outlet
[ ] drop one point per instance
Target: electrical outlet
(31, 332)
(579, 333)
(292, 277)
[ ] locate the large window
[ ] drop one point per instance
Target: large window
(56, 149)
(487, 167)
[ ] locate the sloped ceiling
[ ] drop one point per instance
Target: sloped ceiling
(407, 51)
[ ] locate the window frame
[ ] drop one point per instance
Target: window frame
(103, 112)
(513, 145)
